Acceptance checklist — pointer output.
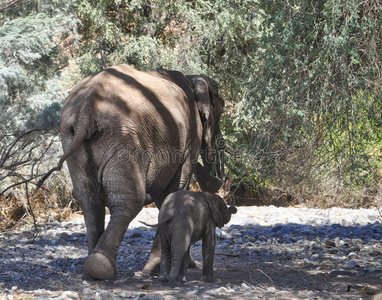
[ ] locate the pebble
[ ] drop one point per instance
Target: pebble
(340, 242)
(351, 264)
(340, 273)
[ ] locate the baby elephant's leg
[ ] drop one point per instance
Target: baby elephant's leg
(208, 250)
(165, 259)
(180, 243)
(184, 267)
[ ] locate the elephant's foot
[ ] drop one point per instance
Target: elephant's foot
(208, 278)
(100, 266)
(152, 267)
(192, 264)
(163, 278)
(87, 277)
(174, 282)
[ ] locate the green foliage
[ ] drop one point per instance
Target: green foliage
(301, 79)
(210, 37)
(31, 57)
(311, 108)
(35, 37)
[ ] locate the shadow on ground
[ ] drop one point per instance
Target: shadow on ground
(294, 260)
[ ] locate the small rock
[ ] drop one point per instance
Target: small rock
(67, 295)
(330, 244)
(277, 228)
(375, 253)
(351, 264)
(245, 287)
(87, 291)
(340, 273)
(123, 295)
(267, 255)
(251, 296)
(104, 294)
(286, 229)
(315, 256)
(135, 235)
(65, 236)
(217, 292)
(377, 297)
(355, 249)
(271, 290)
(191, 293)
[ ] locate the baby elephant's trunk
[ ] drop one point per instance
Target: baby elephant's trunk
(232, 210)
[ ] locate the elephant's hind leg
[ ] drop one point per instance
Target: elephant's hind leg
(101, 262)
(165, 255)
(93, 207)
(124, 200)
(95, 224)
(180, 252)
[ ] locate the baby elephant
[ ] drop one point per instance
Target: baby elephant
(184, 218)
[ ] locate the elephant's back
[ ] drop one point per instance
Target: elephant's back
(122, 92)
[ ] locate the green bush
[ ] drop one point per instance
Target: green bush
(301, 79)
(310, 108)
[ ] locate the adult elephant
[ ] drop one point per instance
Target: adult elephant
(129, 138)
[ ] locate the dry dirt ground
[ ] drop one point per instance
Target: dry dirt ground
(239, 275)
(247, 279)
(240, 279)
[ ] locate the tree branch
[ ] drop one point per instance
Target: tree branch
(9, 5)
(22, 154)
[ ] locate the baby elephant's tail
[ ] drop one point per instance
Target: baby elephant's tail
(150, 225)
(162, 219)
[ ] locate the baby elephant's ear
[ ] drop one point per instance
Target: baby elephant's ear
(217, 207)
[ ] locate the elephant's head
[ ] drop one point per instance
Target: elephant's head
(210, 106)
(220, 213)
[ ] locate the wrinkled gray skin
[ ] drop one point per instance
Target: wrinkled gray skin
(185, 218)
(131, 138)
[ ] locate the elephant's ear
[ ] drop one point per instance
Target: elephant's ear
(217, 207)
(210, 107)
(202, 96)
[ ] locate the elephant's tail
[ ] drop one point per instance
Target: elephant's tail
(85, 131)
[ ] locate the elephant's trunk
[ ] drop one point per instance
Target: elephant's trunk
(210, 174)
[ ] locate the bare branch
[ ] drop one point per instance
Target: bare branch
(9, 5)
(5, 155)
(14, 185)
(30, 208)
(22, 157)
